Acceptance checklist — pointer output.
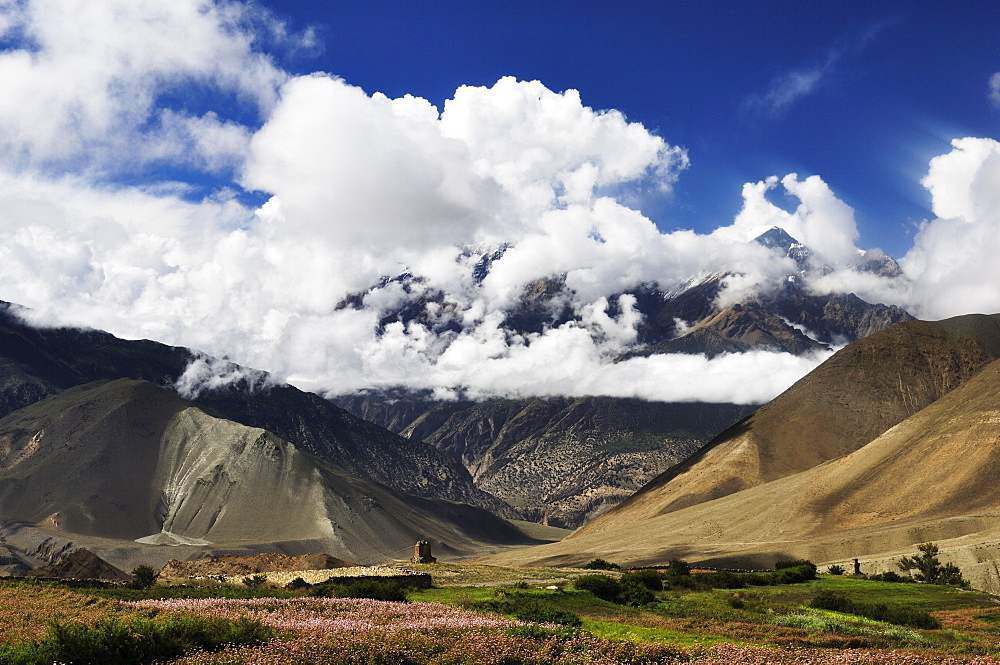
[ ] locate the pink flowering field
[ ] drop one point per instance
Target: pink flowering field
(340, 631)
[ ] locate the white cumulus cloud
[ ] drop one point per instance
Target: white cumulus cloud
(953, 262)
(84, 84)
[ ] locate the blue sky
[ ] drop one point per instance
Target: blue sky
(882, 86)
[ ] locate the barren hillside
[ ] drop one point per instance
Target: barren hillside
(129, 461)
(855, 396)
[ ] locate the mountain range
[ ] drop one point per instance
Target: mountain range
(562, 461)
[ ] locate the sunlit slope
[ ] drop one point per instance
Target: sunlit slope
(128, 460)
(932, 477)
(852, 398)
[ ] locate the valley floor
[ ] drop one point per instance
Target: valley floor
(470, 616)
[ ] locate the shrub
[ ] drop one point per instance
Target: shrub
(536, 612)
(724, 579)
(635, 593)
(526, 608)
(895, 614)
(693, 582)
(678, 568)
(255, 581)
(797, 563)
(601, 564)
(297, 583)
(650, 579)
(143, 577)
(889, 576)
(835, 570)
(930, 569)
(604, 587)
(802, 571)
(374, 589)
(748, 600)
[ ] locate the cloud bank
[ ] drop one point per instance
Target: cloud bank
(360, 187)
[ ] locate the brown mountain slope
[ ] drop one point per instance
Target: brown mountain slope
(129, 461)
(852, 398)
(932, 477)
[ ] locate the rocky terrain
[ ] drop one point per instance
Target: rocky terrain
(81, 564)
(852, 398)
(231, 565)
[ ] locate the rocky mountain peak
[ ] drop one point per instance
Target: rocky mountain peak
(777, 238)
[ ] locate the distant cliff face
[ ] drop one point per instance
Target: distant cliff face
(560, 461)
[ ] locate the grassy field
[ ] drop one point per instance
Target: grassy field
(485, 614)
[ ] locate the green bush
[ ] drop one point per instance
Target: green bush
(802, 571)
(835, 570)
(604, 587)
(374, 589)
(895, 614)
(747, 600)
(650, 579)
(796, 563)
(930, 569)
(138, 641)
(601, 564)
(635, 593)
(143, 577)
(255, 581)
(536, 612)
(784, 573)
(526, 608)
(889, 576)
(692, 582)
(678, 568)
